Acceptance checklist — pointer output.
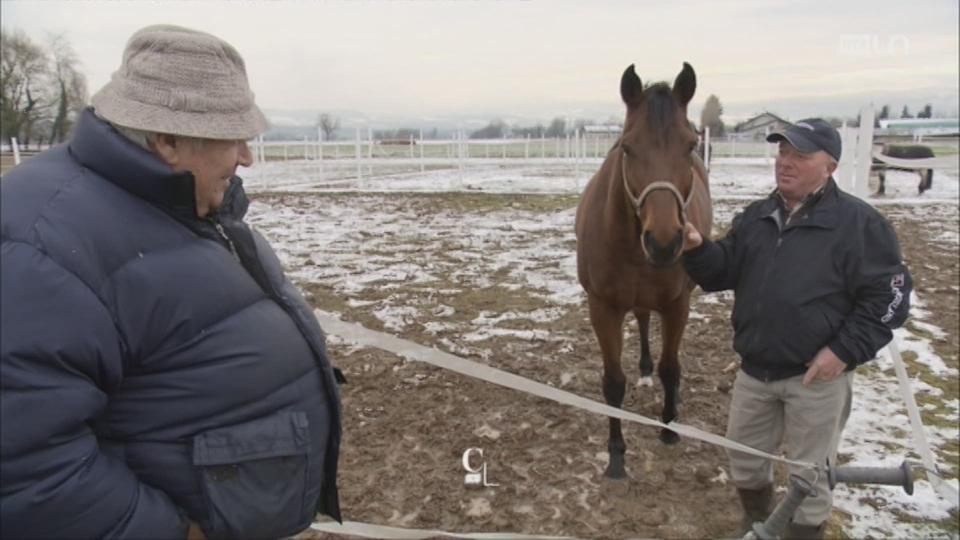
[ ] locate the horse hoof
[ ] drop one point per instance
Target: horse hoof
(645, 381)
(669, 437)
(615, 474)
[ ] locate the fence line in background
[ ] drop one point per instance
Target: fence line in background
(575, 147)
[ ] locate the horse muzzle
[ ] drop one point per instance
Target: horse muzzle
(659, 255)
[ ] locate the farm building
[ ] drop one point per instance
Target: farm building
(756, 128)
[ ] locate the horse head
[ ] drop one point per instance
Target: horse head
(656, 162)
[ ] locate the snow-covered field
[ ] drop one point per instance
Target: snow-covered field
(320, 245)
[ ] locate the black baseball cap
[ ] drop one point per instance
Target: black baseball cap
(810, 135)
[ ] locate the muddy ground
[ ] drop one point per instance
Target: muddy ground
(407, 424)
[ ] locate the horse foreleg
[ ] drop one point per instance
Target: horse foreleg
(926, 180)
(646, 361)
(674, 320)
(608, 325)
(882, 188)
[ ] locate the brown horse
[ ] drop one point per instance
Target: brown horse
(630, 224)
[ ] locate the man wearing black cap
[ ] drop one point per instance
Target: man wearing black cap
(820, 285)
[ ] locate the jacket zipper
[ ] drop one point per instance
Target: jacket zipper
(763, 281)
(223, 234)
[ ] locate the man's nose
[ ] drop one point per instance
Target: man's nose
(244, 157)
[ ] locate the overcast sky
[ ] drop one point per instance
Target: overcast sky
(541, 58)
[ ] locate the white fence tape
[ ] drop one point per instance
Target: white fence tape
(363, 336)
(365, 530)
(354, 333)
(919, 437)
(942, 162)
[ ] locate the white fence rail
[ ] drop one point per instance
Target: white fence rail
(569, 147)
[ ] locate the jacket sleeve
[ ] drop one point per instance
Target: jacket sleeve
(880, 284)
(60, 354)
(714, 266)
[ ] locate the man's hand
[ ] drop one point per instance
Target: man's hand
(691, 237)
(825, 366)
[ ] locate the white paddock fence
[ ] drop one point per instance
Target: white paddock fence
(345, 161)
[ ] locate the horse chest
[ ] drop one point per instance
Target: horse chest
(642, 286)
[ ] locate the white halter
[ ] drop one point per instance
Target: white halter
(637, 202)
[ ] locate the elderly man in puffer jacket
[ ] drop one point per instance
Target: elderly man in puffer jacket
(161, 378)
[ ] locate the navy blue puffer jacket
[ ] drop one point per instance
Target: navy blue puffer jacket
(155, 366)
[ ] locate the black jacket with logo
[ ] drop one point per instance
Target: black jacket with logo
(831, 276)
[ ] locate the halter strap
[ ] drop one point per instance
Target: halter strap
(637, 202)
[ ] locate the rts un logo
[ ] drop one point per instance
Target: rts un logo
(476, 476)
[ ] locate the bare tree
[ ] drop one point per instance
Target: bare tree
(329, 124)
(70, 86)
(24, 71)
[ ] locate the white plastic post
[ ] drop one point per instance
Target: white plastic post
(16, 150)
(460, 155)
(422, 164)
(846, 167)
(319, 143)
(864, 152)
(576, 156)
(370, 151)
(320, 154)
(706, 147)
(526, 147)
(356, 142)
(945, 490)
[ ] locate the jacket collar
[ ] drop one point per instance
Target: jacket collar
(99, 147)
(819, 211)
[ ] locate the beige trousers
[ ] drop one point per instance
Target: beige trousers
(808, 421)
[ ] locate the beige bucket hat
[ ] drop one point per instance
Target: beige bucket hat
(183, 82)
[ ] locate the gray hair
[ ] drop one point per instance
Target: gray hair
(143, 139)
(147, 139)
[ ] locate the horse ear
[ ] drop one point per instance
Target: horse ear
(685, 85)
(630, 87)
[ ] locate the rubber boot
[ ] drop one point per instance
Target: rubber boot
(757, 505)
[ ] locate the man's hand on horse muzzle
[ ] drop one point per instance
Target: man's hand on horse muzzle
(691, 237)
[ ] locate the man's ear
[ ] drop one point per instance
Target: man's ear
(831, 167)
(165, 146)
